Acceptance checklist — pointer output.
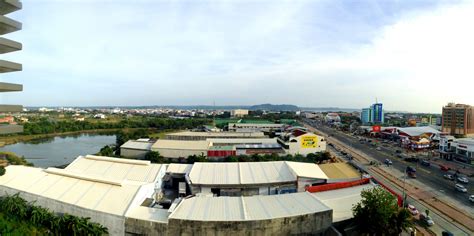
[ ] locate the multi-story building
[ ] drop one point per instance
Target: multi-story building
(373, 115)
(239, 113)
(8, 25)
(366, 116)
(458, 119)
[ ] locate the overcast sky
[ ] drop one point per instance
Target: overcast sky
(411, 55)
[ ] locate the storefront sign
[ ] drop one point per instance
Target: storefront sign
(309, 142)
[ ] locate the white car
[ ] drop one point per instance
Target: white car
(460, 188)
(463, 180)
(413, 210)
(471, 198)
(426, 219)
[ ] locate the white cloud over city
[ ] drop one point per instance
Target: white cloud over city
(412, 57)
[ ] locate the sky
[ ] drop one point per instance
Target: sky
(410, 55)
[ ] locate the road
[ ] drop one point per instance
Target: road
(430, 176)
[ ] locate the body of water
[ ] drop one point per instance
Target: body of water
(59, 150)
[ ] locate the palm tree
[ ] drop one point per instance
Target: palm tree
(400, 221)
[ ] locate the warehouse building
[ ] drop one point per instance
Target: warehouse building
(194, 136)
(260, 149)
(175, 149)
(102, 188)
(255, 127)
(288, 214)
(136, 148)
(253, 178)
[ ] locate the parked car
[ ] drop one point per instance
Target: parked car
(388, 162)
(413, 210)
(463, 180)
(425, 163)
(471, 198)
(444, 168)
(379, 149)
(426, 219)
(460, 188)
(446, 233)
(448, 177)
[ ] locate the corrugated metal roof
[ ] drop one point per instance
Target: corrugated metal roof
(180, 144)
(259, 146)
(134, 171)
(248, 208)
(252, 173)
(98, 196)
(216, 141)
(179, 168)
(137, 145)
(218, 134)
(306, 170)
(342, 200)
(417, 131)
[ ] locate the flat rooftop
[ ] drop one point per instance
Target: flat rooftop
(218, 134)
(339, 171)
(180, 144)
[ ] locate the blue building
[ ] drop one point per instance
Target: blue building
(373, 115)
(377, 113)
(366, 116)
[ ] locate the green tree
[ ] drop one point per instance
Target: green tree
(106, 151)
(154, 157)
(379, 214)
(2, 170)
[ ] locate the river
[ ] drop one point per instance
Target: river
(59, 150)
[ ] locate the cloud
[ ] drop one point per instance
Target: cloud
(309, 53)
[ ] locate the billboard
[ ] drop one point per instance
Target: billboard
(309, 142)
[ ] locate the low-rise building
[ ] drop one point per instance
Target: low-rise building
(175, 149)
(239, 112)
(188, 135)
(300, 142)
(136, 148)
(255, 127)
(253, 178)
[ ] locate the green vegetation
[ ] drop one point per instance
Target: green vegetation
(379, 214)
(46, 126)
(155, 157)
(13, 159)
(18, 217)
(2, 170)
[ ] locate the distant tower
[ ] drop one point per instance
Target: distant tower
(8, 25)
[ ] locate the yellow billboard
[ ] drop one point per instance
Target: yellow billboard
(309, 142)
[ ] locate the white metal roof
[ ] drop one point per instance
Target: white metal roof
(180, 144)
(149, 214)
(342, 200)
(417, 131)
(215, 141)
(116, 169)
(137, 145)
(306, 170)
(179, 168)
(218, 134)
(109, 198)
(252, 173)
(253, 208)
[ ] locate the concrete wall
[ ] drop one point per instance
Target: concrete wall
(312, 224)
(142, 227)
(175, 153)
(114, 223)
(133, 153)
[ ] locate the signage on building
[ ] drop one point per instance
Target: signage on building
(376, 128)
(309, 142)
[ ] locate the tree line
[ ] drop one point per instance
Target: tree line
(17, 210)
(48, 126)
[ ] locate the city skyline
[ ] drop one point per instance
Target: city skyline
(310, 54)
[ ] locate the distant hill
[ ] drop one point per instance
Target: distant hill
(330, 109)
(271, 107)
